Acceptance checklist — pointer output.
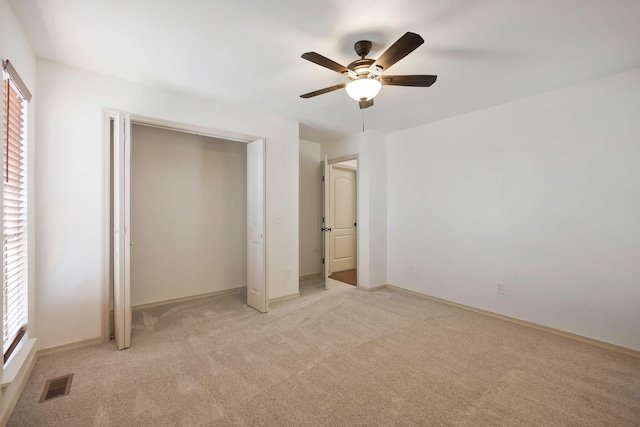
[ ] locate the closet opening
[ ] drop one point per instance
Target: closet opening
(193, 222)
(188, 216)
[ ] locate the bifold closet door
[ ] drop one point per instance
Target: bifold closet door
(121, 230)
(257, 295)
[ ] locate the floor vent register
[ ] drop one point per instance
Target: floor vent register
(56, 387)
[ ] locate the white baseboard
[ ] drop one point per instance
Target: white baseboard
(575, 337)
(284, 298)
(311, 276)
(189, 298)
(372, 289)
(68, 347)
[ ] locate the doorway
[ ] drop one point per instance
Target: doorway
(249, 255)
(341, 217)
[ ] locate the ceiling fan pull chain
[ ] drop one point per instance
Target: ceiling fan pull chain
(363, 120)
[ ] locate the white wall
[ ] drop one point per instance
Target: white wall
(188, 214)
(71, 205)
(542, 194)
(371, 149)
(310, 206)
(15, 47)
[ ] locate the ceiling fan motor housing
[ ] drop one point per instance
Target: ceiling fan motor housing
(361, 66)
(362, 48)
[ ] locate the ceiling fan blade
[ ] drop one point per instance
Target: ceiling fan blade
(417, 80)
(401, 48)
(316, 58)
(325, 90)
(365, 104)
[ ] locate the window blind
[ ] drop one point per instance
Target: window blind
(14, 283)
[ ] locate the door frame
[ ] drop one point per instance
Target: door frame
(325, 211)
(109, 114)
(332, 168)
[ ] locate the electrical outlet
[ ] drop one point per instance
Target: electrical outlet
(288, 273)
(411, 270)
(500, 288)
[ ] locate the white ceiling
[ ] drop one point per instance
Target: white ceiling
(247, 52)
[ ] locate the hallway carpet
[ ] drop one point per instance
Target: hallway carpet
(340, 357)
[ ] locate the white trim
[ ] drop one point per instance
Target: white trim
(311, 276)
(266, 230)
(8, 68)
(190, 298)
(575, 337)
(68, 347)
(375, 288)
(20, 381)
(107, 116)
(17, 361)
(185, 127)
(344, 167)
(343, 159)
(284, 298)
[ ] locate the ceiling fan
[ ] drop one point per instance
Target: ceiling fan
(366, 74)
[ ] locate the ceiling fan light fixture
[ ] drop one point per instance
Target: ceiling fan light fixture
(363, 89)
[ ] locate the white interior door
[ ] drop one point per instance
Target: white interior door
(257, 292)
(325, 222)
(342, 218)
(121, 232)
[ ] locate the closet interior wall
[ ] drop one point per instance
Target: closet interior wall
(188, 215)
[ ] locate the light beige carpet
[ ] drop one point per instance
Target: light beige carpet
(336, 357)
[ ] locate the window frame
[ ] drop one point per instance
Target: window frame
(18, 161)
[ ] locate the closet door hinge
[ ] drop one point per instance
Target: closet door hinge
(323, 260)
